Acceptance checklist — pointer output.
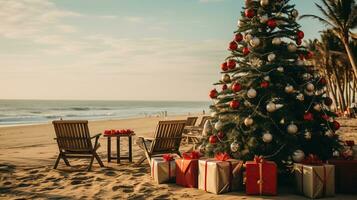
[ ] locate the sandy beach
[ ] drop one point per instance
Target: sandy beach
(27, 155)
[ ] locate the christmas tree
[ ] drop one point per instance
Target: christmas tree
(271, 102)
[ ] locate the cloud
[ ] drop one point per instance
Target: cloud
(134, 19)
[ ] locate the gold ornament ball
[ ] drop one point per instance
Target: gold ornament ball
(254, 42)
(267, 137)
(276, 41)
(248, 121)
(317, 107)
(218, 125)
(264, 2)
(214, 114)
(300, 97)
(289, 89)
(310, 87)
(202, 148)
(295, 13)
(266, 78)
(280, 69)
(292, 47)
(292, 128)
(240, 23)
(298, 156)
(271, 107)
(234, 147)
(271, 57)
(226, 78)
(252, 93)
(306, 76)
(248, 37)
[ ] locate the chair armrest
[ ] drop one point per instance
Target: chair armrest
(146, 138)
(96, 135)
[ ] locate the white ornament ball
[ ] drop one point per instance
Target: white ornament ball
(202, 148)
(329, 133)
(234, 147)
(264, 19)
(266, 78)
(310, 87)
(254, 42)
(226, 78)
(336, 154)
(289, 89)
(271, 57)
(248, 37)
(317, 107)
(295, 13)
(276, 41)
(240, 23)
(271, 107)
(248, 121)
(267, 137)
(218, 125)
(292, 47)
(292, 128)
(300, 97)
(214, 114)
(252, 93)
(280, 69)
(298, 156)
(264, 2)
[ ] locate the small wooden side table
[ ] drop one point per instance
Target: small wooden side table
(119, 157)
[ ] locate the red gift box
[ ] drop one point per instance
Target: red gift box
(261, 177)
(187, 170)
(345, 175)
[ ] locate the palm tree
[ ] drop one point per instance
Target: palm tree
(341, 16)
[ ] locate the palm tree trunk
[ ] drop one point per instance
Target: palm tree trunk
(350, 55)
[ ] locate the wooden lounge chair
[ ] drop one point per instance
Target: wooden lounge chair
(191, 121)
(167, 139)
(194, 133)
(74, 141)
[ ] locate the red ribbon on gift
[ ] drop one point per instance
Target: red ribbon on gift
(222, 156)
(312, 159)
(192, 155)
(260, 160)
(167, 157)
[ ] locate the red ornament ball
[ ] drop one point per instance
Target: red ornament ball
(336, 125)
(246, 51)
(224, 87)
(238, 37)
(234, 104)
(328, 101)
(233, 46)
(213, 139)
(299, 42)
(249, 13)
(236, 87)
(301, 56)
(220, 135)
(271, 23)
(213, 94)
(224, 66)
(231, 64)
(323, 81)
(264, 84)
(309, 55)
(308, 116)
(300, 34)
(325, 117)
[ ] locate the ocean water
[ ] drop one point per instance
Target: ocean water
(16, 112)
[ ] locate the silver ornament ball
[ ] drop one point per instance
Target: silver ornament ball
(254, 42)
(280, 69)
(271, 57)
(234, 147)
(252, 93)
(267, 137)
(298, 156)
(276, 41)
(218, 125)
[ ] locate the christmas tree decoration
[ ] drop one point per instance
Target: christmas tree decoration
(240, 23)
(271, 23)
(271, 57)
(236, 87)
(254, 42)
(276, 41)
(336, 125)
(249, 13)
(292, 47)
(273, 101)
(264, 84)
(264, 2)
(292, 128)
(289, 89)
(231, 64)
(298, 156)
(248, 121)
(224, 66)
(238, 37)
(267, 137)
(213, 94)
(226, 78)
(252, 93)
(213, 139)
(234, 104)
(246, 51)
(202, 148)
(233, 46)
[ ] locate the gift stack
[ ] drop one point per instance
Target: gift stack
(315, 179)
(163, 169)
(187, 170)
(346, 169)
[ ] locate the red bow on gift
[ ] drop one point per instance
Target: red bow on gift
(222, 156)
(192, 155)
(259, 159)
(167, 157)
(312, 159)
(350, 143)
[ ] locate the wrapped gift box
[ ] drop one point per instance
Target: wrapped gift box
(220, 176)
(345, 175)
(187, 170)
(261, 177)
(315, 181)
(163, 170)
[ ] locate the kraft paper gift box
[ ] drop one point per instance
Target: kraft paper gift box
(345, 175)
(163, 169)
(220, 176)
(261, 177)
(315, 181)
(187, 170)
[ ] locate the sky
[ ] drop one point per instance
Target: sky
(118, 49)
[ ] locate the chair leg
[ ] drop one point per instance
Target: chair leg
(98, 159)
(91, 163)
(141, 160)
(57, 161)
(65, 160)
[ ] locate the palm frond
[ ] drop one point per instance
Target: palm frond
(331, 14)
(322, 20)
